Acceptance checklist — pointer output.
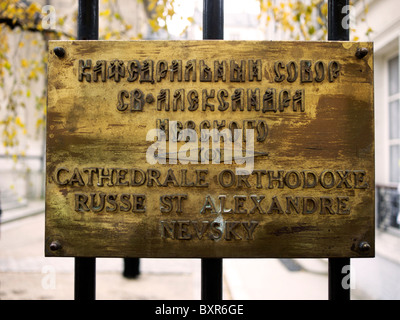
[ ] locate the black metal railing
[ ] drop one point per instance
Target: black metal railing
(387, 207)
(85, 267)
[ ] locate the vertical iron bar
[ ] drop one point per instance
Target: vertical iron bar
(85, 278)
(213, 19)
(131, 268)
(338, 29)
(85, 268)
(88, 20)
(338, 288)
(211, 268)
(211, 279)
(338, 20)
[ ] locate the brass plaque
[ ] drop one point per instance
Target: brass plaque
(210, 149)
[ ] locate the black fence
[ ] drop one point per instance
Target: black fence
(211, 274)
(388, 208)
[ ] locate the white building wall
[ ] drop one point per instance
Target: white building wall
(383, 18)
(22, 179)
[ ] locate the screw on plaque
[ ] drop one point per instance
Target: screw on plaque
(364, 246)
(55, 245)
(59, 52)
(361, 52)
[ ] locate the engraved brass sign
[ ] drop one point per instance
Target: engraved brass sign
(210, 149)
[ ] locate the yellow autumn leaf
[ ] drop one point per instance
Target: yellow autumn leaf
(105, 12)
(171, 12)
(24, 63)
(61, 21)
(324, 9)
(152, 5)
(160, 11)
(154, 25)
(39, 122)
(33, 8)
(32, 75)
(7, 65)
(19, 123)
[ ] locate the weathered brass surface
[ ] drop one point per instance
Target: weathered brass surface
(309, 194)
